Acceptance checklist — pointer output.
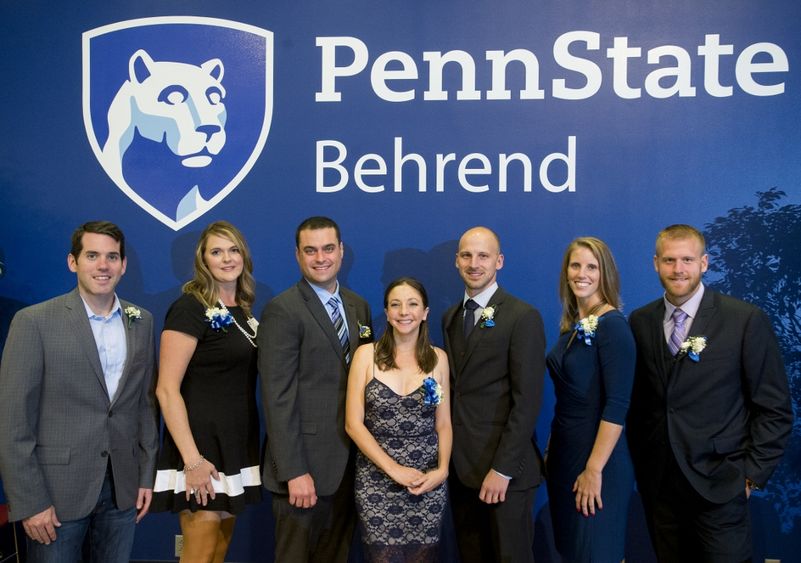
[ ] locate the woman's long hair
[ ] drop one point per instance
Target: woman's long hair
(385, 347)
(203, 285)
(608, 283)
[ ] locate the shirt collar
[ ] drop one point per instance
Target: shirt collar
(324, 295)
(115, 308)
(690, 306)
(482, 298)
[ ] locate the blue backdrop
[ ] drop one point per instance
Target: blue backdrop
(409, 122)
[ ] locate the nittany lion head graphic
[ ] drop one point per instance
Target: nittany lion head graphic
(170, 116)
(176, 103)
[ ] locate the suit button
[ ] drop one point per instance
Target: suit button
(110, 414)
(104, 453)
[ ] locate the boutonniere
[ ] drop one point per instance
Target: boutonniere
(693, 347)
(219, 318)
(432, 391)
(364, 330)
(133, 314)
(487, 318)
(585, 329)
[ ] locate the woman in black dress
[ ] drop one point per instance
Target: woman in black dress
(208, 467)
(590, 475)
(398, 414)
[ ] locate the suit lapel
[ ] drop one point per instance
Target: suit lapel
(86, 338)
(320, 314)
(131, 333)
(706, 310)
(478, 333)
(659, 346)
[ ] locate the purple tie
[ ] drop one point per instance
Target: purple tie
(677, 336)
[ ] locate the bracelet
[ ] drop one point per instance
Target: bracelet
(198, 463)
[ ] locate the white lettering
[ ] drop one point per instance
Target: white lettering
(590, 70)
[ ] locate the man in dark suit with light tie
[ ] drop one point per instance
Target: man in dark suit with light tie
(496, 349)
(78, 422)
(710, 410)
(307, 337)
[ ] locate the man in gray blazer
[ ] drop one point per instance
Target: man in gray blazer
(78, 423)
(307, 337)
(496, 350)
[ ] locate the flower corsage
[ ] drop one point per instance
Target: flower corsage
(133, 314)
(219, 318)
(693, 347)
(585, 329)
(364, 330)
(432, 391)
(487, 319)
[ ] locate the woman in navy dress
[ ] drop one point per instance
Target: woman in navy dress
(590, 475)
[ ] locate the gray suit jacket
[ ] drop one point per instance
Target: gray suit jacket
(57, 424)
(304, 380)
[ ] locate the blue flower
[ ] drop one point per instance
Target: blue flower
(219, 318)
(432, 391)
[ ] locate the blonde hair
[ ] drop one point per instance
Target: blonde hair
(203, 285)
(680, 232)
(608, 283)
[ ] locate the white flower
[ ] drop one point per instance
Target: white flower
(133, 314)
(693, 347)
(589, 324)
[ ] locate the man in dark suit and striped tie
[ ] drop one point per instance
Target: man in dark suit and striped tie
(307, 337)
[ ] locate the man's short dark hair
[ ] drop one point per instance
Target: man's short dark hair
(98, 227)
(314, 223)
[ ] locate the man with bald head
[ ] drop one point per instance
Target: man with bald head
(496, 348)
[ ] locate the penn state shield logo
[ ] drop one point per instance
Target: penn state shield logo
(177, 109)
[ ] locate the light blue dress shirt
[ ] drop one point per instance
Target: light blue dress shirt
(112, 347)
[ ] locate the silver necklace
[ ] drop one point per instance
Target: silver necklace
(252, 323)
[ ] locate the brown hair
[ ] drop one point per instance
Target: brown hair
(314, 223)
(203, 285)
(98, 227)
(385, 347)
(608, 283)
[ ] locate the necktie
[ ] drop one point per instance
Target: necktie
(677, 336)
(339, 326)
(470, 307)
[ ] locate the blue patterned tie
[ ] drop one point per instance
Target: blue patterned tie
(339, 326)
(677, 336)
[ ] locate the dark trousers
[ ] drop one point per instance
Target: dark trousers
(684, 526)
(502, 533)
(321, 533)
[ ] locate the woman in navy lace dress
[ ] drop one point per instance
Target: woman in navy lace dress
(590, 476)
(398, 415)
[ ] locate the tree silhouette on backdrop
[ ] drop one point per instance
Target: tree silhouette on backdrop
(754, 255)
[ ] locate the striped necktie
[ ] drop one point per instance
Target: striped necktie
(677, 336)
(339, 326)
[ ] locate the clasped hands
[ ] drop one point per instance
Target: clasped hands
(416, 481)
